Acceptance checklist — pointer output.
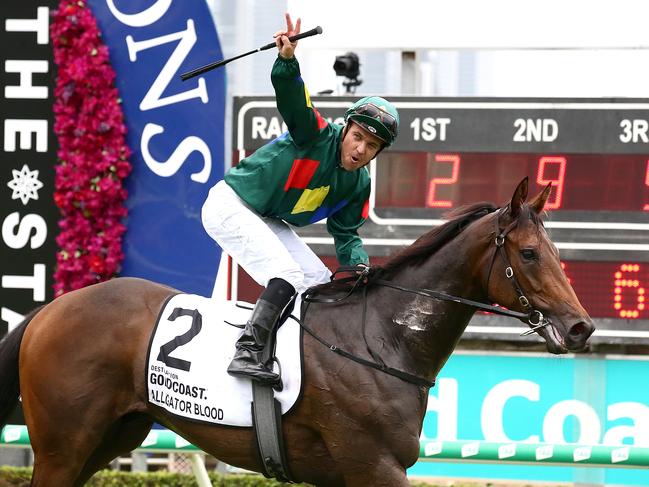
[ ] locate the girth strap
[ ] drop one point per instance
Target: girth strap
(267, 421)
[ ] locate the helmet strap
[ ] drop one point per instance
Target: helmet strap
(340, 150)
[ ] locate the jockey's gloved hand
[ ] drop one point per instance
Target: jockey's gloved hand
(363, 271)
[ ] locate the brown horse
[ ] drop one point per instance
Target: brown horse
(79, 362)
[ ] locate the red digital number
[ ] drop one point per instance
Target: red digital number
(454, 159)
(624, 279)
(546, 163)
(646, 183)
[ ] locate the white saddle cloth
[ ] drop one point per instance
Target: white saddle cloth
(190, 350)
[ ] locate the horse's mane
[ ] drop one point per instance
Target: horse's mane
(435, 239)
(423, 247)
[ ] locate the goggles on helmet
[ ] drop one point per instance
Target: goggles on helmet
(372, 111)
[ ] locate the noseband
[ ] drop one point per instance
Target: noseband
(533, 316)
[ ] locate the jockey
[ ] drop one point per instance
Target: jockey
(315, 171)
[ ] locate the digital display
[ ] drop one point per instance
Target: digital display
(580, 182)
(593, 152)
(610, 289)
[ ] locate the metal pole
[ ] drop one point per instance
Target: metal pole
(138, 462)
(200, 472)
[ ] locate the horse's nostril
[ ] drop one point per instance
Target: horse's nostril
(579, 329)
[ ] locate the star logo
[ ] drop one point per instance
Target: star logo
(25, 184)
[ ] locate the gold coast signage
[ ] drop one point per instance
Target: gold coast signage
(27, 211)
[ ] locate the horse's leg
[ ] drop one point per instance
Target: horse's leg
(72, 461)
(123, 436)
(67, 454)
(378, 477)
(70, 420)
(59, 465)
(63, 438)
(364, 461)
(82, 363)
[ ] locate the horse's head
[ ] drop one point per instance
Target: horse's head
(525, 274)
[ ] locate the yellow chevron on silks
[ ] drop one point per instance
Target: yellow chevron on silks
(307, 97)
(310, 200)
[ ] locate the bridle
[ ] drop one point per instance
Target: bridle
(532, 316)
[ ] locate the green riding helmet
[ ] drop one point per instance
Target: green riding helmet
(376, 115)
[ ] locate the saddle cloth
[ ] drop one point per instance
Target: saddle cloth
(190, 350)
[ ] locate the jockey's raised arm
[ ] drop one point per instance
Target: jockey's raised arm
(315, 171)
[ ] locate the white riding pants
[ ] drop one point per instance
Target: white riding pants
(264, 247)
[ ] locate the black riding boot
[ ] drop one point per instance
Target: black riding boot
(250, 359)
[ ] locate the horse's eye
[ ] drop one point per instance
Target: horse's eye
(528, 254)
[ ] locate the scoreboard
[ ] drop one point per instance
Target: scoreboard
(454, 151)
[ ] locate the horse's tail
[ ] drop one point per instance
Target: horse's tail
(9, 379)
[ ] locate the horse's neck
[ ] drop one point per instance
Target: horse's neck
(430, 328)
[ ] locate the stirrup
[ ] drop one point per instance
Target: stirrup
(244, 372)
(276, 384)
(279, 384)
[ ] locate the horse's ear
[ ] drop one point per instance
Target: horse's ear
(538, 203)
(519, 198)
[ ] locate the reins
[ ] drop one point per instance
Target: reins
(361, 278)
(405, 376)
(378, 364)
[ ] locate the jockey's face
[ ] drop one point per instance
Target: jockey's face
(359, 147)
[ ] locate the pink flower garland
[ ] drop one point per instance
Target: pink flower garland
(93, 152)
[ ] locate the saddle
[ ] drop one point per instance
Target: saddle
(190, 349)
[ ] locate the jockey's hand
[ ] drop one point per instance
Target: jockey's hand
(287, 48)
(364, 272)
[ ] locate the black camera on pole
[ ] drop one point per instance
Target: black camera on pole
(348, 66)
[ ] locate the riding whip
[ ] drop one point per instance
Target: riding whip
(217, 64)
